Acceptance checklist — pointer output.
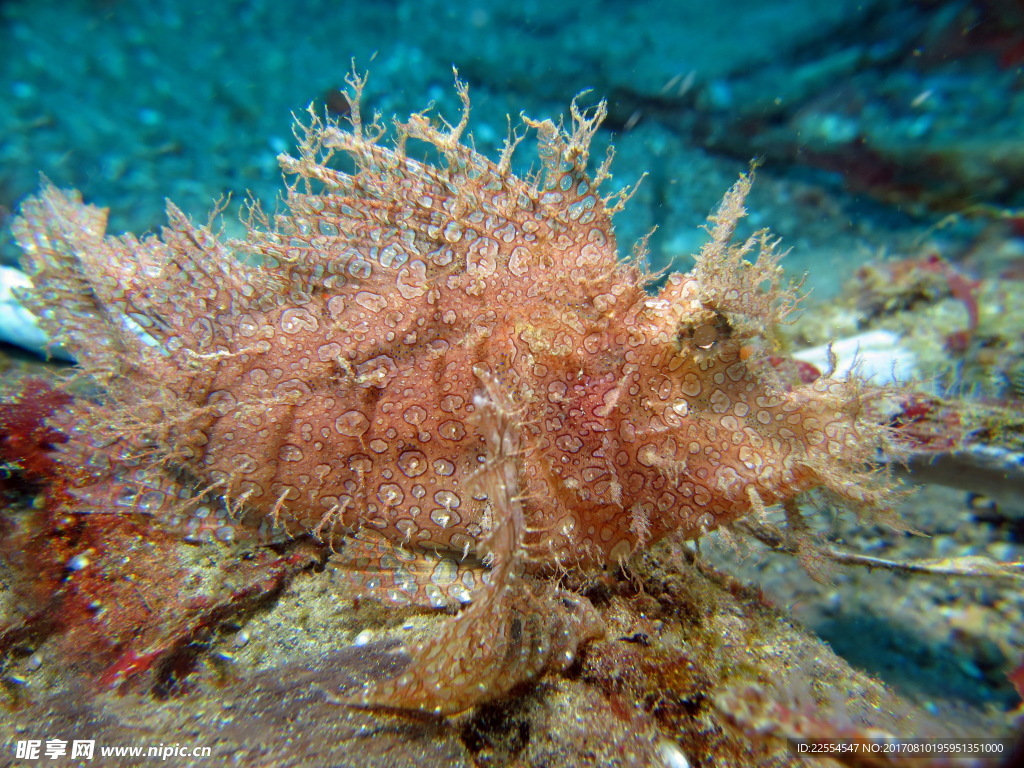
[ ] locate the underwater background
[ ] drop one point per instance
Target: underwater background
(889, 139)
(872, 120)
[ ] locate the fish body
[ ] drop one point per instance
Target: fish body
(446, 370)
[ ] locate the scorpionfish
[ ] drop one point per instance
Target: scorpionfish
(445, 370)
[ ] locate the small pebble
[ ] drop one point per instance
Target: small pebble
(79, 562)
(363, 638)
(944, 547)
(672, 755)
(1003, 551)
(969, 668)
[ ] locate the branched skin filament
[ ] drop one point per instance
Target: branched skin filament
(447, 372)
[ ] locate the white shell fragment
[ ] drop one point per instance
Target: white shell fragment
(876, 356)
(18, 326)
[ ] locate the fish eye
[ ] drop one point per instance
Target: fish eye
(705, 335)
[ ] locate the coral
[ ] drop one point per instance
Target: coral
(26, 441)
(127, 605)
(898, 285)
(445, 370)
(125, 602)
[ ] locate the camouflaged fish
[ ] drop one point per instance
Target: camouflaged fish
(447, 371)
